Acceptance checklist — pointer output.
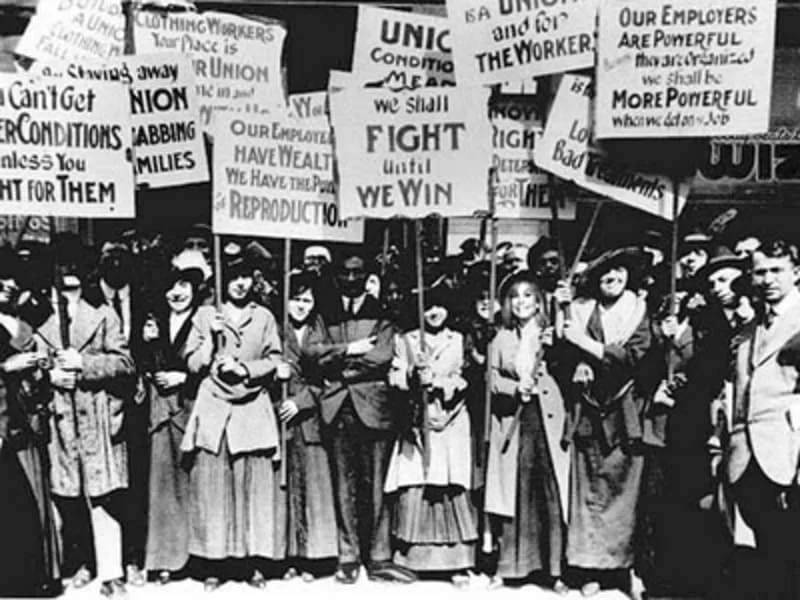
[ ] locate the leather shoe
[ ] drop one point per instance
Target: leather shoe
(114, 589)
(211, 584)
(390, 572)
(347, 573)
(258, 580)
(135, 576)
(81, 578)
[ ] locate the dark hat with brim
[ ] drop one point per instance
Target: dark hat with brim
(235, 261)
(722, 257)
(631, 258)
(436, 291)
(512, 279)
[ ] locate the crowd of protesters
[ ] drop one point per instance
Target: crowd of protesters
(155, 427)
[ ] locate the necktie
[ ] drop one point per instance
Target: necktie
(116, 304)
(350, 310)
(769, 317)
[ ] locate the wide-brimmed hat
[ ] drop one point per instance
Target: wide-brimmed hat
(721, 257)
(436, 291)
(235, 260)
(630, 257)
(191, 266)
(693, 240)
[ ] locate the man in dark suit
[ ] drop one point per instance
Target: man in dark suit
(764, 452)
(116, 286)
(360, 425)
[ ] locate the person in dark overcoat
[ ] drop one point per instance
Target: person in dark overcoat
(29, 552)
(312, 534)
(169, 338)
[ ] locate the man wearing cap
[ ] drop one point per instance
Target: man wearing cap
(764, 452)
(115, 288)
(90, 374)
(687, 542)
(360, 424)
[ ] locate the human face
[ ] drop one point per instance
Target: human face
(352, 277)
(373, 285)
(693, 261)
(773, 278)
(115, 264)
(547, 267)
(613, 282)
(523, 302)
(435, 316)
(239, 287)
(8, 291)
(180, 296)
(720, 285)
(483, 306)
(197, 243)
(300, 307)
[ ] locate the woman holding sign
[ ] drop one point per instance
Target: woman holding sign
(435, 523)
(237, 509)
(522, 493)
(609, 336)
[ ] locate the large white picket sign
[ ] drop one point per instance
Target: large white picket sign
(566, 149)
(412, 153)
(402, 50)
(274, 177)
(684, 68)
(495, 41)
(65, 148)
(167, 138)
(237, 61)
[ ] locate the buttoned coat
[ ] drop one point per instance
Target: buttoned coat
(100, 398)
(766, 409)
(363, 378)
(242, 412)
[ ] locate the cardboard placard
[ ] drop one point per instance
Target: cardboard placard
(412, 153)
(521, 189)
(402, 50)
(65, 148)
(308, 105)
(274, 178)
(71, 30)
(567, 150)
(237, 61)
(167, 138)
(684, 68)
(495, 41)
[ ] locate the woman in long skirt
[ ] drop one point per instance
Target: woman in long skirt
(170, 338)
(523, 498)
(237, 509)
(312, 533)
(610, 336)
(435, 524)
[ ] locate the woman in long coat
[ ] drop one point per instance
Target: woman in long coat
(236, 506)
(610, 336)
(88, 453)
(170, 338)
(312, 533)
(435, 523)
(523, 497)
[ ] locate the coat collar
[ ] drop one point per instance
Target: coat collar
(786, 325)
(81, 329)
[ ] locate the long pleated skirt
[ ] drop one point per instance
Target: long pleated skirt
(236, 506)
(168, 509)
(435, 528)
(312, 530)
